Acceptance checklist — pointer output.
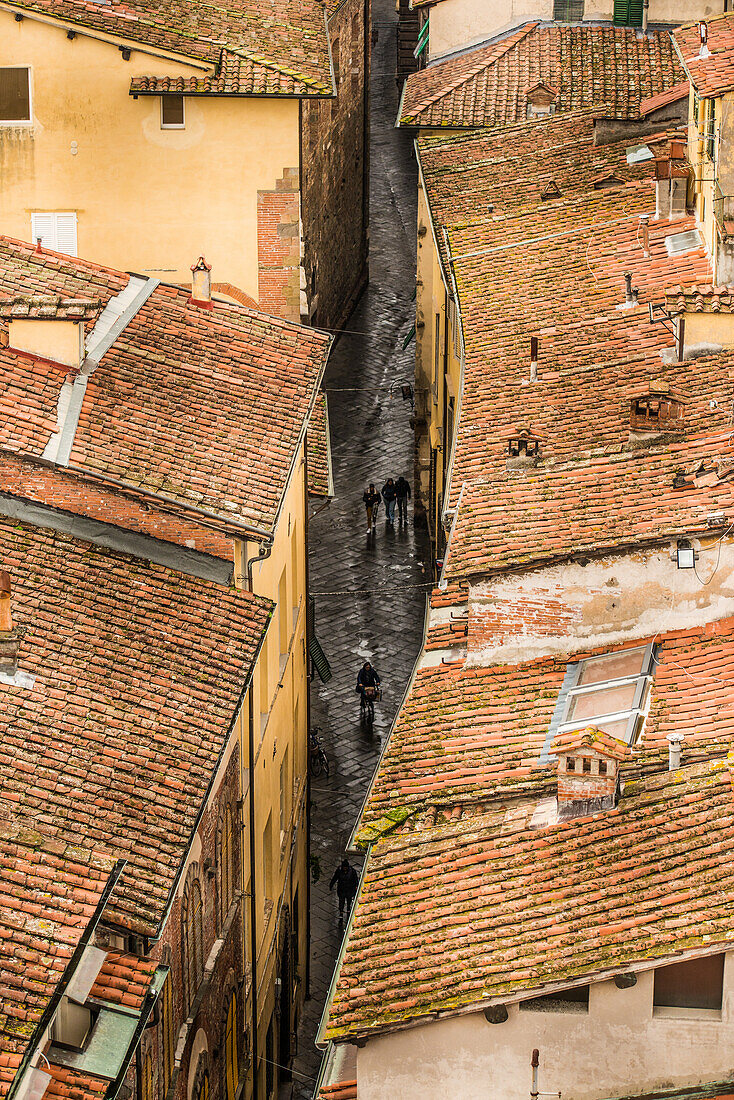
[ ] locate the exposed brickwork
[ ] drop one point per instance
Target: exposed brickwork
(235, 292)
(279, 248)
(335, 182)
(539, 613)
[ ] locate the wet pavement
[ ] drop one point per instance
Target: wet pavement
(370, 591)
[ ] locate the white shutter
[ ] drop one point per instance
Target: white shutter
(43, 227)
(66, 234)
(56, 231)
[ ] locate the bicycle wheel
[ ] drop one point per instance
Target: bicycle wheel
(316, 765)
(325, 763)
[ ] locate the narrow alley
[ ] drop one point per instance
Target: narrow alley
(370, 592)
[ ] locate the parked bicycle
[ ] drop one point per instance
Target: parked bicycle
(318, 761)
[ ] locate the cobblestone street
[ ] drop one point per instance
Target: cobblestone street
(365, 605)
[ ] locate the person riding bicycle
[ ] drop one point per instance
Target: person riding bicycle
(368, 682)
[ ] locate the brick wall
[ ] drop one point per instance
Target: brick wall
(279, 248)
(541, 613)
(335, 169)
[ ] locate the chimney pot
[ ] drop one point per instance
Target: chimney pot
(533, 358)
(645, 233)
(675, 741)
(588, 771)
(201, 282)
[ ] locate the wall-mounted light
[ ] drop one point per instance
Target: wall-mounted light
(685, 555)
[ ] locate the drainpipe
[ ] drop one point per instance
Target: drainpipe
(264, 551)
(306, 588)
(645, 14)
(535, 1062)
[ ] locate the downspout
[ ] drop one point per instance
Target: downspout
(645, 14)
(264, 551)
(308, 730)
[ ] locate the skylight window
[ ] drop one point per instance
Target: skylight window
(683, 242)
(612, 693)
(638, 154)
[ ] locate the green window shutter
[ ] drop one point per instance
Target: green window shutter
(568, 11)
(628, 13)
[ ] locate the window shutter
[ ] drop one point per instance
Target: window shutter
(66, 234)
(43, 227)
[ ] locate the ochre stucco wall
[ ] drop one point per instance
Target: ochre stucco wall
(583, 1055)
(147, 199)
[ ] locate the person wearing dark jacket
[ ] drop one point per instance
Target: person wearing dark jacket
(371, 500)
(389, 495)
(347, 880)
(402, 491)
(367, 678)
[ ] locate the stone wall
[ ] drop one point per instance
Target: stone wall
(335, 175)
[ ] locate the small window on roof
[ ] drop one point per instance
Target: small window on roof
(524, 443)
(601, 183)
(172, 112)
(550, 191)
(611, 692)
(683, 242)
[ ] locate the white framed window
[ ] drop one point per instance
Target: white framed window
(612, 693)
(55, 231)
(15, 95)
(172, 112)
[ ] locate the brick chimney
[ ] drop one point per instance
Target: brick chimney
(201, 283)
(8, 634)
(588, 771)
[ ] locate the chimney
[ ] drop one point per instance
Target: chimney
(533, 358)
(645, 234)
(201, 283)
(630, 294)
(703, 33)
(8, 634)
(588, 771)
(675, 740)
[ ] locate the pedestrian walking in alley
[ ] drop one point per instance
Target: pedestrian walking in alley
(389, 495)
(347, 880)
(371, 500)
(402, 490)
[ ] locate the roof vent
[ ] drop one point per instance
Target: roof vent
(703, 32)
(523, 449)
(631, 294)
(8, 634)
(588, 771)
(659, 410)
(541, 100)
(602, 183)
(550, 191)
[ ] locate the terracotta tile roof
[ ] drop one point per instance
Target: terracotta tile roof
(468, 738)
(453, 595)
(662, 99)
(489, 914)
(712, 75)
(266, 47)
(123, 979)
(320, 482)
(549, 512)
(50, 887)
(346, 1090)
(9, 1063)
(590, 738)
(79, 495)
(69, 1084)
(604, 67)
(203, 407)
(700, 299)
(513, 265)
(131, 677)
(447, 635)
(43, 307)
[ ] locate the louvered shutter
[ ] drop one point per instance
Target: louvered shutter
(66, 234)
(628, 13)
(43, 228)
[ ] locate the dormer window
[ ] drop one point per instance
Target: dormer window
(657, 412)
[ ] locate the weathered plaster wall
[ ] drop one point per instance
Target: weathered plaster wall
(572, 607)
(456, 24)
(147, 199)
(583, 1055)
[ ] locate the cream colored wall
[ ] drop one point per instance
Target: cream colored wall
(618, 1047)
(280, 734)
(147, 199)
(57, 340)
(456, 24)
(608, 601)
